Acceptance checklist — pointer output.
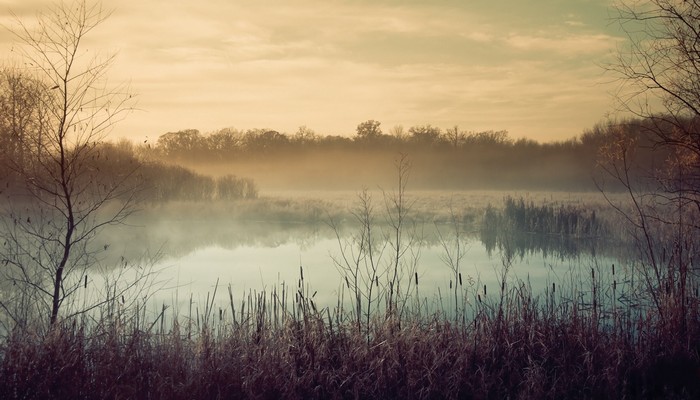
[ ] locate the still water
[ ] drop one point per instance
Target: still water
(260, 267)
(198, 254)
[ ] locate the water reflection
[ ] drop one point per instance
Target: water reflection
(523, 244)
(257, 255)
(175, 238)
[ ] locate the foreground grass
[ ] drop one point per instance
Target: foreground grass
(513, 348)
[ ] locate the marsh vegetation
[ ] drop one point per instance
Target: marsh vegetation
(424, 263)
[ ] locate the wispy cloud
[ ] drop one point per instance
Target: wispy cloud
(567, 44)
(333, 64)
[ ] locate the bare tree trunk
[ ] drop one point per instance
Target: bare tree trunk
(67, 195)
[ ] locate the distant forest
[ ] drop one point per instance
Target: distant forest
(233, 164)
(450, 159)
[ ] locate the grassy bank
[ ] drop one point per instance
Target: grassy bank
(266, 346)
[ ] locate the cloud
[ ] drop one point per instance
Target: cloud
(331, 65)
(575, 23)
(567, 44)
(479, 36)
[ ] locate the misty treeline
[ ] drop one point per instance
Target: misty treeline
(449, 159)
(25, 154)
(189, 165)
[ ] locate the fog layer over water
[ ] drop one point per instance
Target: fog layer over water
(199, 250)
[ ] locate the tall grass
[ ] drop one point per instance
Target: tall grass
(556, 228)
(278, 344)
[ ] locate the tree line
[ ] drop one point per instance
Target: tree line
(452, 158)
(190, 165)
(192, 145)
(31, 152)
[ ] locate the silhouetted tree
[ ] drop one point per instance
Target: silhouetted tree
(398, 133)
(368, 130)
(224, 143)
(22, 115)
(305, 136)
(265, 141)
(454, 136)
(660, 82)
(489, 138)
(424, 134)
(48, 231)
(187, 143)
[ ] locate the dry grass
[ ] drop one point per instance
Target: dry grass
(512, 346)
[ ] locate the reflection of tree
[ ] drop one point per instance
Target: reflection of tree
(550, 229)
(557, 246)
(178, 237)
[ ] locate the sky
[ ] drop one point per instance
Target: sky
(533, 68)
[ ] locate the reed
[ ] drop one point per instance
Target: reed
(512, 343)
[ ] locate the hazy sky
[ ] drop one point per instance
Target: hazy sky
(531, 67)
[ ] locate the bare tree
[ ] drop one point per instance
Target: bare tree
(359, 262)
(20, 114)
(659, 76)
(403, 239)
(66, 201)
(455, 137)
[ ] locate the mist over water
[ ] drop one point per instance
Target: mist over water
(198, 250)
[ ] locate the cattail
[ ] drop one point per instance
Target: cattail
(460, 279)
(416, 278)
(613, 268)
(301, 272)
(347, 282)
(85, 286)
(554, 287)
(478, 296)
(593, 273)
(484, 290)
(450, 283)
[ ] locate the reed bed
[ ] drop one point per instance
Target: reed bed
(278, 344)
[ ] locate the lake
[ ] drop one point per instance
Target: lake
(199, 251)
